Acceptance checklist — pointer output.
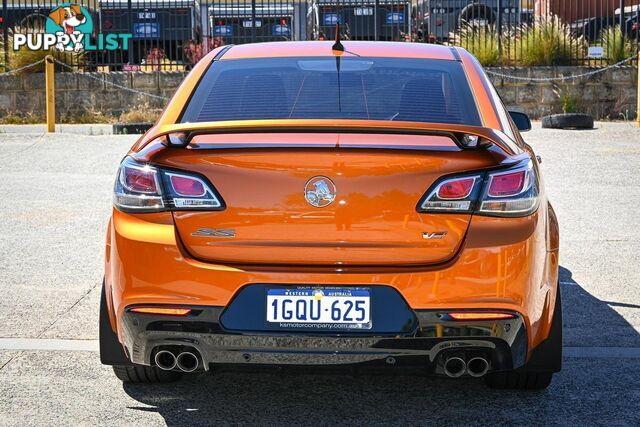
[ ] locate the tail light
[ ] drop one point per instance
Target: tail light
(145, 188)
(456, 188)
(138, 187)
(453, 195)
(511, 192)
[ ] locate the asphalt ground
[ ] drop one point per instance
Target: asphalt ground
(56, 193)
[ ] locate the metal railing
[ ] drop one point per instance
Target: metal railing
(174, 34)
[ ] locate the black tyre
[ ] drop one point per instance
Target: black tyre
(545, 360)
(145, 374)
(568, 121)
(476, 15)
(111, 353)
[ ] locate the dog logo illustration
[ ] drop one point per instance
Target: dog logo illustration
(69, 27)
(73, 20)
(68, 17)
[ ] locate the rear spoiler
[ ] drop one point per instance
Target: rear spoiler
(465, 136)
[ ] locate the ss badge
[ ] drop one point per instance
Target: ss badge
(214, 232)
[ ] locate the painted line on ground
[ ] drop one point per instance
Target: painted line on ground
(567, 282)
(41, 344)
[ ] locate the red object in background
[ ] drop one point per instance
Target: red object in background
(130, 67)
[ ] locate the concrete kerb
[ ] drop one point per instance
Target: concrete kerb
(74, 129)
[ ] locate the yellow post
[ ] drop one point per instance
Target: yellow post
(50, 91)
(638, 107)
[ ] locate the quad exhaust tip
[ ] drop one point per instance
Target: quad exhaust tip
(477, 366)
(454, 367)
(187, 361)
(166, 360)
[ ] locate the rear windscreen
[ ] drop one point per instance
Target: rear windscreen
(417, 90)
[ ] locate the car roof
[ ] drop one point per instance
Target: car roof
(323, 48)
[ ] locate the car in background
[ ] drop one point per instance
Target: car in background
(351, 204)
(591, 28)
(385, 20)
(238, 23)
(439, 19)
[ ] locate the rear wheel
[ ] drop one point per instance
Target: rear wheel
(145, 374)
(545, 360)
(112, 353)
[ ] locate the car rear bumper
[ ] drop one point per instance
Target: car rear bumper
(495, 270)
(503, 342)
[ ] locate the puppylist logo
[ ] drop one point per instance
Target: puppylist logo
(69, 27)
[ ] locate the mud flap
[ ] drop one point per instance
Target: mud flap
(111, 351)
(547, 356)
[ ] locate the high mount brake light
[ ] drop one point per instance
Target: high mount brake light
(512, 192)
(145, 188)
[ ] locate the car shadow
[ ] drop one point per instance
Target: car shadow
(591, 322)
(312, 398)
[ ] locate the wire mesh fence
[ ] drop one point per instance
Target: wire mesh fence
(175, 34)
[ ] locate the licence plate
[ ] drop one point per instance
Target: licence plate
(331, 308)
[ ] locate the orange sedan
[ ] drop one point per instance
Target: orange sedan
(354, 204)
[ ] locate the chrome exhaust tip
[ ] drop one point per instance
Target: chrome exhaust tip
(454, 367)
(477, 366)
(187, 361)
(165, 360)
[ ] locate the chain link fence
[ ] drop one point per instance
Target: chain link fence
(175, 34)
